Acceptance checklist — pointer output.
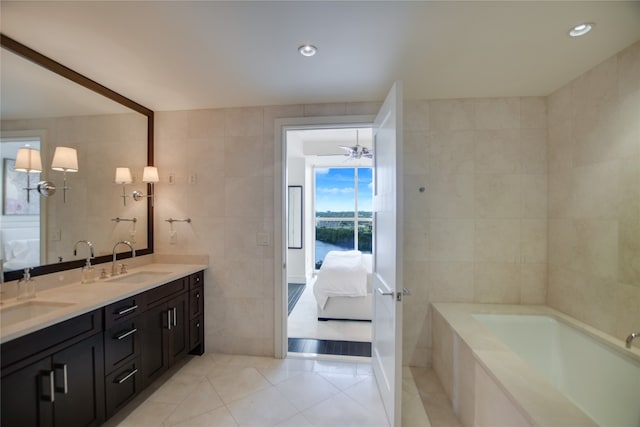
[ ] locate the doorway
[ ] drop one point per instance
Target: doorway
(329, 176)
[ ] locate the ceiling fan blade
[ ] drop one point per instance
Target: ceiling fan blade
(349, 149)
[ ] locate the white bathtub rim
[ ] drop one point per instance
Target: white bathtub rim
(549, 407)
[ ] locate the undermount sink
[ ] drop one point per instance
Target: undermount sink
(139, 277)
(29, 310)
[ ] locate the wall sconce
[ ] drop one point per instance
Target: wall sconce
(65, 159)
(123, 176)
(28, 160)
(150, 176)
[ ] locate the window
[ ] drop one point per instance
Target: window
(343, 210)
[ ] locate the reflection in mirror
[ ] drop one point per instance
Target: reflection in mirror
(44, 110)
(294, 233)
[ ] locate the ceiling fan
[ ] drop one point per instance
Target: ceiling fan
(357, 151)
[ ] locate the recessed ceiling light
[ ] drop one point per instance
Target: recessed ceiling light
(581, 29)
(307, 50)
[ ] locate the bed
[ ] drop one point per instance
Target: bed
(343, 286)
(19, 248)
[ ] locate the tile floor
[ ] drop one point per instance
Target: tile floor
(224, 390)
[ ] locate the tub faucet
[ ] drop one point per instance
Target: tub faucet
(114, 270)
(630, 338)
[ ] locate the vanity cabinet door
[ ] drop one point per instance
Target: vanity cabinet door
(27, 396)
(79, 384)
(65, 389)
(155, 344)
(179, 331)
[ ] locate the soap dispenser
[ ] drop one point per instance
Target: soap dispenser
(26, 286)
(87, 270)
(87, 273)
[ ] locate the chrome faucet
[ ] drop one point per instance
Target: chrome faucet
(89, 245)
(630, 338)
(114, 270)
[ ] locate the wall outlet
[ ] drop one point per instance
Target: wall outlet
(193, 179)
(172, 178)
(56, 235)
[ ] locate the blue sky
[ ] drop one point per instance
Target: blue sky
(335, 189)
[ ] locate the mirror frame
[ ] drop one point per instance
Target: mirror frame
(66, 72)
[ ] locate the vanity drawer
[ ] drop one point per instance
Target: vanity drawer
(196, 279)
(162, 293)
(123, 309)
(121, 342)
(122, 385)
(196, 332)
(196, 302)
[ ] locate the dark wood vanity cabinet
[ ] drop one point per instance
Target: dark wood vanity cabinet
(82, 371)
(196, 313)
(59, 378)
(165, 337)
(122, 345)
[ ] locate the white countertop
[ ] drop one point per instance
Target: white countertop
(85, 297)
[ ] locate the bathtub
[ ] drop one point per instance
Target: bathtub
(533, 366)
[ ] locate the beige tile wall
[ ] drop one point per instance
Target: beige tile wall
(478, 233)
(594, 195)
(231, 152)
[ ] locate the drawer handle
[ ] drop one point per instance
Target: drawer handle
(65, 385)
(126, 377)
(198, 295)
(197, 278)
(126, 334)
(127, 310)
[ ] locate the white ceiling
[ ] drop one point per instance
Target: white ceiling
(187, 55)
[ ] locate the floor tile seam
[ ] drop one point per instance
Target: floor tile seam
(296, 374)
(349, 386)
(244, 396)
(281, 395)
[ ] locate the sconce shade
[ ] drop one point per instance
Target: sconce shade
(28, 160)
(65, 159)
(150, 174)
(123, 176)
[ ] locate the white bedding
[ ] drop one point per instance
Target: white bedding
(342, 274)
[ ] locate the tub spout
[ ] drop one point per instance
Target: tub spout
(630, 338)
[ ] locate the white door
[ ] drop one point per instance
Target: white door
(387, 252)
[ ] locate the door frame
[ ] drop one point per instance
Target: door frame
(281, 126)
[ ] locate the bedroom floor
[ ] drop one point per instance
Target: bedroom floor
(303, 323)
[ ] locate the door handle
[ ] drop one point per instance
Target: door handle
(383, 293)
(175, 317)
(65, 385)
(51, 386)
(169, 319)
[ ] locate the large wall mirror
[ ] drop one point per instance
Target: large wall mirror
(45, 106)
